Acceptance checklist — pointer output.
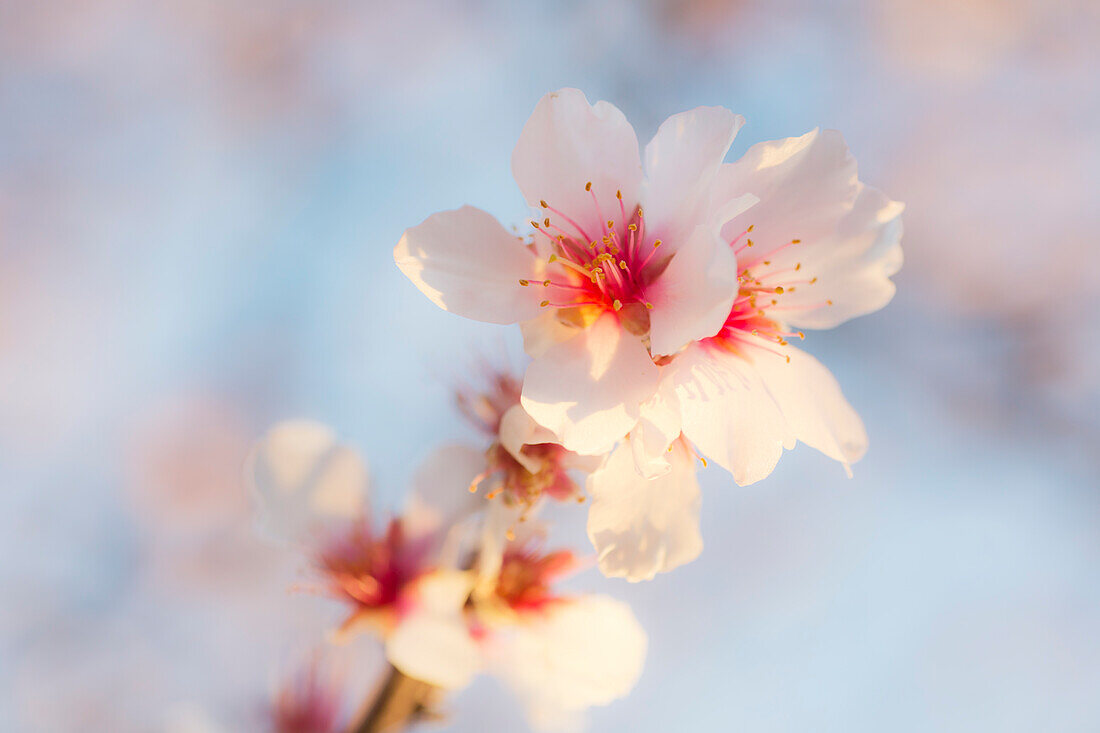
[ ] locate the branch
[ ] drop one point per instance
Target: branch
(400, 702)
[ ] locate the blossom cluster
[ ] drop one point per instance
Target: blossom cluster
(658, 296)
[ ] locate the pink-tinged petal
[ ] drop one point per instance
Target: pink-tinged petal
(813, 405)
(853, 269)
(567, 143)
(641, 527)
(658, 426)
(518, 429)
(728, 412)
(681, 162)
(585, 652)
(441, 489)
(433, 643)
(588, 390)
(547, 330)
(693, 296)
(303, 478)
(467, 263)
(805, 186)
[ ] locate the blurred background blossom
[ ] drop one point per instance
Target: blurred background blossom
(198, 203)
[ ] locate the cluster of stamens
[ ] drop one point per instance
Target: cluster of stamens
(757, 309)
(526, 575)
(371, 571)
(607, 269)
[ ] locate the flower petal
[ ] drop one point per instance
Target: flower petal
(681, 162)
(641, 527)
(848, 234)
(588, 390)
(567, 143)
(302, 478)
(432, 643)
(518, 429)
(813, 405)
(693, 296)
(588, 651)
(728, 412)
(467, 263)
(658, 426)
(440, 493)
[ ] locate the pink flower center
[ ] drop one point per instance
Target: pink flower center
(758, 310)
(525, 577)
(602, 270)
(371, 572)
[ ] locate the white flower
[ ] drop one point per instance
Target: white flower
(632, 264)
(685, 340)
(561, 654)
(785, 238)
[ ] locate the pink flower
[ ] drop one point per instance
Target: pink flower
(560, 653)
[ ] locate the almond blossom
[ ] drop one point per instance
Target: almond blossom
(660, 305)
(560, 653)
(312, 491)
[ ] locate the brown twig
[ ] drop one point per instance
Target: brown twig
(400, 702)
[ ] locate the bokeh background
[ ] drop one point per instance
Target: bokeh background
(198, 203)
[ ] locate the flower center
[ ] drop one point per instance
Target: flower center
(371, 571)
(758, 310)
(591, 272)
(525, 577)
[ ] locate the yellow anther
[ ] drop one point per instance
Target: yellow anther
(617, 305)
(544, 303)
(623, 265)
(633, 227)
(656, 243)
(580, 499)
(649, 305)
(524, 283)
(797, 266)
(779, 290)
(610, 223)
(553, 258)
(801, 335)
(619, 195)
(813, 280)
(545, 283)
(750, 227)
(543, 204)
(828, 302)
(510, 535)
(796, 241)
(546, 222)
(535, 224)
(748, 242)
(767, 262)
(788, 358)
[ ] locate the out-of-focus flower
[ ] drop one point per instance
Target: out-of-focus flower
(310, 702)
(559, 653)
(312, 490)
(524, 462)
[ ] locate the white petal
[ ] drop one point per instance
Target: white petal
(586, 652)
(567, 143)
(547, 330)
(728, 412)
(518, 429)
(641, 527)
(433, 643)
(440, 492)
(658, 426)
(467, 263)
(681, 162)
(853, 268)
(812, 403)
(693, 296)
(849, 234)
(588, 390)
(302, 478)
